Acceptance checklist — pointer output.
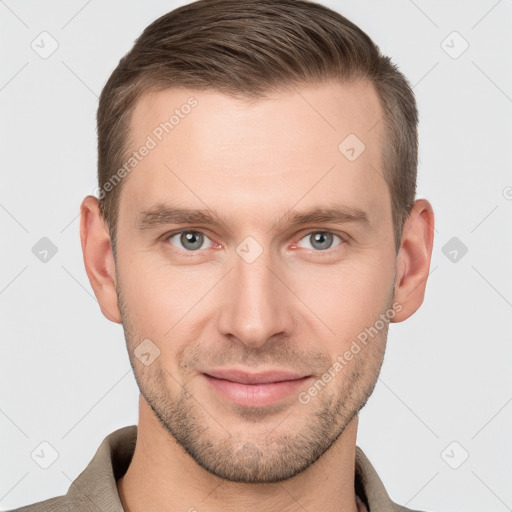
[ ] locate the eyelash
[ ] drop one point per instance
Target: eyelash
(329, 251)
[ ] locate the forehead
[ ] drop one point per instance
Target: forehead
(310, 144)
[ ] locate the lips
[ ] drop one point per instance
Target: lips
(255, 389)
(255, 378)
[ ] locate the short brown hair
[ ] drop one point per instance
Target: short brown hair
(246, 49)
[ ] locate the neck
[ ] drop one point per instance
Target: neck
(162, 476)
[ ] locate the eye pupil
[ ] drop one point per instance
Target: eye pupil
(193, 238)
(324, 240)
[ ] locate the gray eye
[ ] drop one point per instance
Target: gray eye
(319, 240)
(189, 240)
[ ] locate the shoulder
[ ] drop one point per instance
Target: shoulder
(57, 504)
(66, 503)
(95, 487)
(370, 488)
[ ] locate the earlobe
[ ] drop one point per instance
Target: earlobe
(98, 258)
(413, 260)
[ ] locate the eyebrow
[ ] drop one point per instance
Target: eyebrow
(163, 215)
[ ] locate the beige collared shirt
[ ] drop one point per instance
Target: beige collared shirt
(95, 488)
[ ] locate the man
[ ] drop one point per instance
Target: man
(255, 233)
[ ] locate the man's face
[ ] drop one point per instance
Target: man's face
(257, 293)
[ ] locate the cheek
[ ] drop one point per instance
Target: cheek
(163, 300)
(346, 298)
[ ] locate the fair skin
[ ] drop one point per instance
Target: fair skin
(210, 444)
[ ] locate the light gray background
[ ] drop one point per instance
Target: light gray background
(65, 375)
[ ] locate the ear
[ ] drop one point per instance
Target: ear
(413, 260)
(99, 258)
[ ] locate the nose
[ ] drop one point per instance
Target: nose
(256, 304)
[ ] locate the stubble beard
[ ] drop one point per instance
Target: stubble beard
(286, 449)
